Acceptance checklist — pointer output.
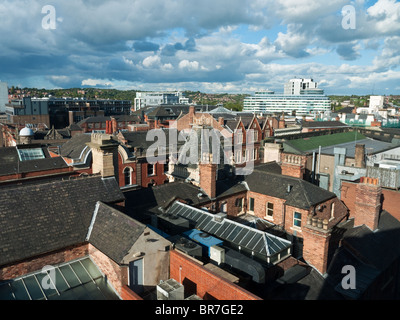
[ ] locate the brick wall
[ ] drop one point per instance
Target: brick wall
(35, 174)
(158, 178)
(116, 275)
(390, 199)
(128, 294)
(36, 264)
(367, 204)
(316, 247)
(289, 220)
(292, 170)
(122, 167)
(260, 207)
(202, 282)
(208, 174)
(231, 202)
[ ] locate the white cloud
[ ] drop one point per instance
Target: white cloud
(386, 14)
(189, 65)
(128, 61)
(96, 82)
(167, 66)
(151, 61)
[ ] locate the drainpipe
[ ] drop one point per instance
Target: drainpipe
(319, 159)
(313, 168)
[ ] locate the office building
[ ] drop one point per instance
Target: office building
(145, 99)
(300, 97)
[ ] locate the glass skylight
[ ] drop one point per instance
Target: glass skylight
(77, 280)
(31, 154)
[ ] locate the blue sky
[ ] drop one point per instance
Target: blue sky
(216, 46)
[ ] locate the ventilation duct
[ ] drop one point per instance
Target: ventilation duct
(241, 262)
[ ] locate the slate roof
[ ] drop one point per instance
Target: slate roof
(73, 148)
(138, 139)
(164, 194)
(303, 194)
(231, 124)
(272, 167)
(378, 248)
(369, 252)
(113, 232)
(11, 164)
(40, 218)
(94, 120)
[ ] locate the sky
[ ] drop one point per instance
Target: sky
(213, 46)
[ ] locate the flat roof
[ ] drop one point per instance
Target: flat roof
(312, 143)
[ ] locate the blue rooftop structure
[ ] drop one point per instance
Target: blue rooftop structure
(203, 238)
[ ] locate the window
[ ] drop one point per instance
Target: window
(30, 154)
(166, 167)
(238, 158)
(270, 209)
(297, 219)
(239, 137)
(128, 176)
(251, 205)
(332, 211)
(255, 135)
(239, 203)
(150, 169)
(224, 207)
(255, 154)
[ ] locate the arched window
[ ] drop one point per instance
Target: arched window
(128, 176)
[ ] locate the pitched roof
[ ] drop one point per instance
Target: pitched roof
(94, 120)
(40, 218)
(302, 194)
(113, 232)
(11, 163)
(164, 194)
(73, 148)
(378, 248)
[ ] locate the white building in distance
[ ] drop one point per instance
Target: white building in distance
(3, 96)
(301, 96)
(144, 99)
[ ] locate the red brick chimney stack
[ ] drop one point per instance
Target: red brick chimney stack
(108, 127)
(114, 125)
(208, 178)
(368, 203)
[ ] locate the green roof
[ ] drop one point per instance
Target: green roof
(312, 143)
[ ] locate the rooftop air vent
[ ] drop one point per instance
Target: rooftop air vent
(204, 235)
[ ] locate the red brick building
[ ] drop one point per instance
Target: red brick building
(79, 231)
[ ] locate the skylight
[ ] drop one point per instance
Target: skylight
(76, 280)
(31, 154)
